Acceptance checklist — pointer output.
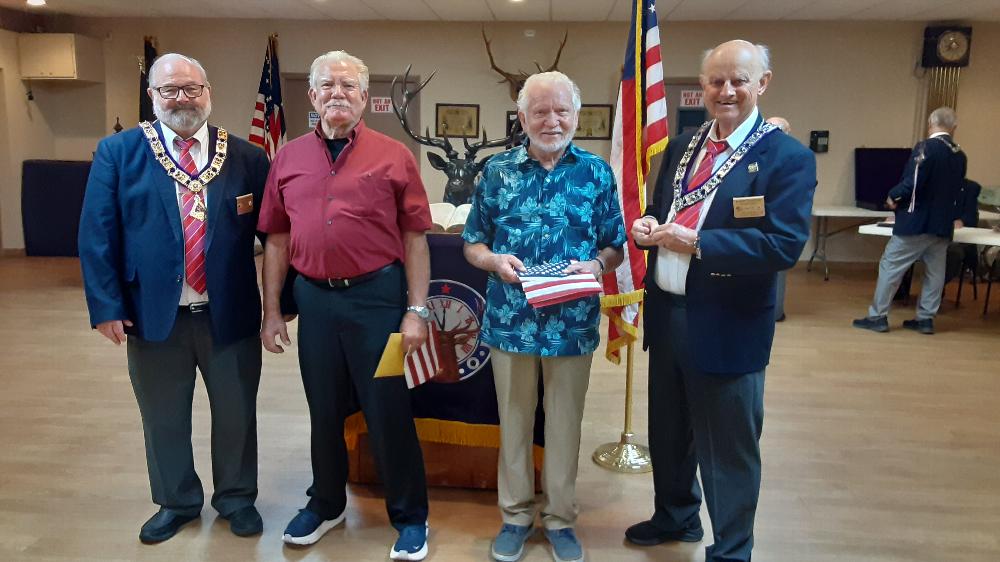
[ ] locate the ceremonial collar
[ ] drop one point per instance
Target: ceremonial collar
(193, 183)
(759, 130)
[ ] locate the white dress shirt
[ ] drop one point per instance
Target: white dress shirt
(672, 267)
(199, 153)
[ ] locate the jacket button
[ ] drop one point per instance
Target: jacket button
(178, 278)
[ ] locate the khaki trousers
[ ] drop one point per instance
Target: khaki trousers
(565, 381)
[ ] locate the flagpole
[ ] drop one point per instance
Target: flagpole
(625, 456)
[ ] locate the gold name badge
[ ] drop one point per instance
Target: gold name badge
(244, 204)
(748, 207)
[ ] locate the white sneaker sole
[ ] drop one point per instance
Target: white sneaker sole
(557, 559)
(407, 555)
(311, 538)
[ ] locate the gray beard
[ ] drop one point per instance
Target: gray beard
(182, 119)
(551, 147)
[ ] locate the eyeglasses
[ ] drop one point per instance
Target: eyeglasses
(172, 92)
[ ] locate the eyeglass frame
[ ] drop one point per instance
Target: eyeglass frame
(180, 89)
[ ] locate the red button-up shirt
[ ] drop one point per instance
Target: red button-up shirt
(345, 218)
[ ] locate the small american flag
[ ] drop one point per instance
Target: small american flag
(546, 284)
(421, 365)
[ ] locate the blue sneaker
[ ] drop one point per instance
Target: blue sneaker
(307, 527)
(411, 544)
(509, 544)
(565, 546)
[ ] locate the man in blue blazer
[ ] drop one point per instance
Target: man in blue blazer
(730, 210)
(167, 251)
(928, 201)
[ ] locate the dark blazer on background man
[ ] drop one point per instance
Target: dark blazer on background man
(939, 184)
(731, 289)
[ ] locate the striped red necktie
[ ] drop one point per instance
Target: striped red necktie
(194, 229)
(688, 216)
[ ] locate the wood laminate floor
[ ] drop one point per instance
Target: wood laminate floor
(876, 447)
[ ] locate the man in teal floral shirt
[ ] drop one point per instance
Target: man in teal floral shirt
(546, 202)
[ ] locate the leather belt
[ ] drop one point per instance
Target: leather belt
(346, 282)
(195, 307)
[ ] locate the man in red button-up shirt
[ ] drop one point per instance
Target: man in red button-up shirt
(344, 205)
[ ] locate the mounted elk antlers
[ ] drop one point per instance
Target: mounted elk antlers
(516, 81)
(461, 172)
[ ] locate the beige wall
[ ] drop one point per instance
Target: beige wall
(857, 80)
(29, 134)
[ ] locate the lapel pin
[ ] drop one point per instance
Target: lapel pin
(753, 167)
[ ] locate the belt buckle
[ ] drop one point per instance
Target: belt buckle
(341, 283)
(197, 307)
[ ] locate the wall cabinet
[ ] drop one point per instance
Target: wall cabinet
(60, 56)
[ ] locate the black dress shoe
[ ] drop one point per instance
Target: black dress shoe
(925, 326)
(163, 525)
(648, 534)
(873, 323)
(245, 521)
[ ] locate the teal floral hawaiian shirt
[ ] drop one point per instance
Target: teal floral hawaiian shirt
(542, 216)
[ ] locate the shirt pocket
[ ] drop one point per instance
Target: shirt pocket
(372, 196)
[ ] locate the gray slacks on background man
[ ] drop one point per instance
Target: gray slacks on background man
(900, 253)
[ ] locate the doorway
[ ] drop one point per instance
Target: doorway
(684, 105)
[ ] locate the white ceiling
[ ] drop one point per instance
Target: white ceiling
(529, 10)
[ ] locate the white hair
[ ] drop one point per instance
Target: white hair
(763, 57)
(943, 117)
(553, 77)
(335, 57)
(164, 59)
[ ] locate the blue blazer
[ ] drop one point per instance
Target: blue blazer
(132, 247)
(939, 186)
(731, 289)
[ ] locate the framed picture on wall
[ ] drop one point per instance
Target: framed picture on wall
(456, 120)
(594, 122)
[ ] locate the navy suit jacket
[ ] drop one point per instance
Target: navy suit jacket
(939, 186)
(731, 289)
(132, 246)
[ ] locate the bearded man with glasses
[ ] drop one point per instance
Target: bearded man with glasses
(167, 251)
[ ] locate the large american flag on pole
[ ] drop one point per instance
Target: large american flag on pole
(267, 129)
(546, 284)
(640, 132)
(422, 364)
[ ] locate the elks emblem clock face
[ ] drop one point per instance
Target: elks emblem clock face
(458, 311)
(952, 46)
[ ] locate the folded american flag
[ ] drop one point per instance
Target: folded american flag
(421, 364)
(546, 284)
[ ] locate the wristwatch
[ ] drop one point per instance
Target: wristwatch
(422, 312)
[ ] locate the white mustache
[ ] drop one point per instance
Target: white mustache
(337, 104)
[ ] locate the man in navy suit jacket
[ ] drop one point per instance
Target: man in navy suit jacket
(928, 204)
(730, 210)
(167, 251)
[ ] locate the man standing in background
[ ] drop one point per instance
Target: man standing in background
(928, 206)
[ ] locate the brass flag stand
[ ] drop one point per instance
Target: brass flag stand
(625, 456)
